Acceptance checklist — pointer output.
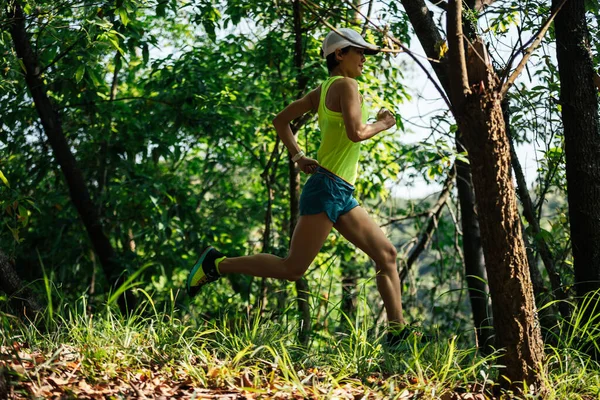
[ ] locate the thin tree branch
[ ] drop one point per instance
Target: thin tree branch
(120, 99)
(432, 223)
(443, 4)
(405, 217)
(61, 55)
(410, 53)
(537, 39)
(370, 9)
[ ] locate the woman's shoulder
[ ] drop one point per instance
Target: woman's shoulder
(345, 82)
(344, 85)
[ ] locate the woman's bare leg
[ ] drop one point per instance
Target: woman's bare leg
(307, 240)
(364, 233)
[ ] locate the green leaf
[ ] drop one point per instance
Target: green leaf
(3, 179)
(94, 77)
(399, 122)
(123, 14)
(145, 53)
(24, 215)
(161, 7)
(79, 73)
(15, 232)
(115, 43)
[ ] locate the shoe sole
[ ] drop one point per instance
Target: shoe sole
(197, 265)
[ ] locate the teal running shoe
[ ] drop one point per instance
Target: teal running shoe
(204, 271)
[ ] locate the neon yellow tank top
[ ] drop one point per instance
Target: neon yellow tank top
(337, 152)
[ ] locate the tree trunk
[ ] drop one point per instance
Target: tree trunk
(53, 129)
(430, 38)
(301, 284)
(582, 142)
(20, 295)
(479, 116)
(473, 253)
(515, 320)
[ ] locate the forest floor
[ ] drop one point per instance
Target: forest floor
(168, 353)
(26, 374)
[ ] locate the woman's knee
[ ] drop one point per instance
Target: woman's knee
(294, 269)
(386, 258)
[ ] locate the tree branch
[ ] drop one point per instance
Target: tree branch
(410, 53)
(443, 4)
(61, 55)
(459, 83)
(405, 217)
(537, 39)
(120, 99)
(370, 9)
(427, 233)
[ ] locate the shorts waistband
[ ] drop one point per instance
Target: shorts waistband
(337, 178)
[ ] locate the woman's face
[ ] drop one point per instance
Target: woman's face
(351, 63)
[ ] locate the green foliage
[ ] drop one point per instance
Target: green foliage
(167, 107)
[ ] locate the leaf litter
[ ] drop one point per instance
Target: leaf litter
(62, 374)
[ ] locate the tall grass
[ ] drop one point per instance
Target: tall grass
(261, 353)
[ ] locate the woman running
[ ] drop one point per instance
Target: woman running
(327, 197)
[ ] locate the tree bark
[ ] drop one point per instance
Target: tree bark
(474, 261)
(430, 39)
(479, 117)
(514, 311)
(20, 295)
(53, 129)
(582, 142)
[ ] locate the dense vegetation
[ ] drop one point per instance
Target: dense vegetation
(134, 133)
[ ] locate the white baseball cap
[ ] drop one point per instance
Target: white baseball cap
(346, 37)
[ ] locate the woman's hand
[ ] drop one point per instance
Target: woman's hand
(385, 116)
(308, 165)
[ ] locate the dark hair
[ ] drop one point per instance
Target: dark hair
(332, 62)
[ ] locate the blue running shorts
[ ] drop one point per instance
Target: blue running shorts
(326, 192)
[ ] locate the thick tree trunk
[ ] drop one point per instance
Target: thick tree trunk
(476, 103)
(53, 129)
(514, 311)
(582, 142)
(430, 38)
(21, 296)
(473, 253)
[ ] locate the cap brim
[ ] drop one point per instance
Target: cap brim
(372, 52)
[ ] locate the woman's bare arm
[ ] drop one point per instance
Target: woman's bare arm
(352, 113)
(295, 110)
(282, 121)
